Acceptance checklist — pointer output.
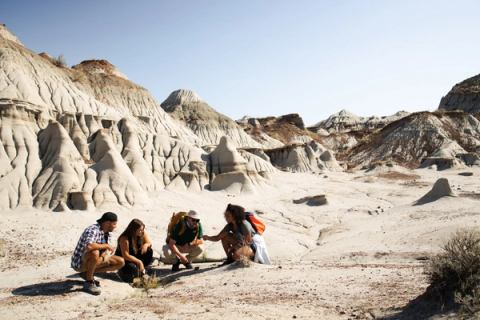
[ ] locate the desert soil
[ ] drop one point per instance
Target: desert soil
(360, 256)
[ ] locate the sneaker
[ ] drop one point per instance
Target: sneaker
(188, 266)
(92, 288)
(84, 277)
(176, 266)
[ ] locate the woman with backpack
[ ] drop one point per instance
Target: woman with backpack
(135, 246)
(236, 236)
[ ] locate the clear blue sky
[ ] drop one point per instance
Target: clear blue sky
(268, 57)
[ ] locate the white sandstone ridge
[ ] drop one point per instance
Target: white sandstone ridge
(208, 124)
(82, 161)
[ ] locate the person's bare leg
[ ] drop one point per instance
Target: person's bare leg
(114, 263)
(92, 261)
(227, 244)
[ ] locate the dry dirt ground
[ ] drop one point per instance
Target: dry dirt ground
(360, 256)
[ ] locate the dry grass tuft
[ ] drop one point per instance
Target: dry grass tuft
(60, 61)
(146, 282)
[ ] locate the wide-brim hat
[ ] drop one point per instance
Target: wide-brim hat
(193, 214)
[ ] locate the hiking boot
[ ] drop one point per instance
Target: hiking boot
(188, 266)
(176, 266)
(91, 287)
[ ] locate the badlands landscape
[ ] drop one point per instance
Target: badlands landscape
(354, 206)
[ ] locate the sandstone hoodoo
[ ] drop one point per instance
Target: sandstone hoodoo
(440, 189)
(232, 172)
(304, 157)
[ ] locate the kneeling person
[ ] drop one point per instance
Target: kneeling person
(135, 246)
(184, 240)
(93, 252)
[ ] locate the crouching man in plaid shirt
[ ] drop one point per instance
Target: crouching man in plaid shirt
(93, 252)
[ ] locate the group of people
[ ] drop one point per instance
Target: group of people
(134, 254)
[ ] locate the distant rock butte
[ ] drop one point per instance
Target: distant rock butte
(179, 97)
(208, 124)
(278, 131)
(99, 67)
(345, 121)
(463, 96)
(450, 137)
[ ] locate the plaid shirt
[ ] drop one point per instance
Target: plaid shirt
(92, 234)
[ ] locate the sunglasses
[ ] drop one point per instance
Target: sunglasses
(194, 220)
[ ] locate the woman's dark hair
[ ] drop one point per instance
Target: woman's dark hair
(237, 212)
(131, 230)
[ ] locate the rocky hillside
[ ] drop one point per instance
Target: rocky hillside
(424, 138)
(209, 125)
(344, 129)
(345, 121)
(463, 96)
(283, 130)
(75, 138)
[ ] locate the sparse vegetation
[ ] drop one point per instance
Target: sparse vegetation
(60, 61)
(454, 274)
(146, 282)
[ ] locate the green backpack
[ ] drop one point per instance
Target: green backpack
(177, 218)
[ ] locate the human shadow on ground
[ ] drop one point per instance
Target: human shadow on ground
(166, 276)
(113, 276)
(49, 288)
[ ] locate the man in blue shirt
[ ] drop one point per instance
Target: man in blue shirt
(93, 252)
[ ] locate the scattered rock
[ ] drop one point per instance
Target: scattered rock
(317, 200)
(3, 248)
(440, 189)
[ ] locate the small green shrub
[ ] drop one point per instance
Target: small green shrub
(454, 274)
